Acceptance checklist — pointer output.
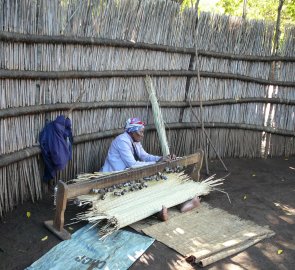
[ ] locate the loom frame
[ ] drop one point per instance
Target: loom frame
(69, 191)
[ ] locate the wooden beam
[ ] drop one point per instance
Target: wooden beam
(86, 41)
(37, 109)
(73, 40)
(58, 75)
(75, 190)
(57, 225)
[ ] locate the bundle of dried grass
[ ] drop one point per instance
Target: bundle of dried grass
(158, 118)
(115, 212)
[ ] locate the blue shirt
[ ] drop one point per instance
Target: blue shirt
(121, 155)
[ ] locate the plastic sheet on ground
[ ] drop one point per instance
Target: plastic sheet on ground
(85, 251)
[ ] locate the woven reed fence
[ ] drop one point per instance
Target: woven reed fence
(52, 51)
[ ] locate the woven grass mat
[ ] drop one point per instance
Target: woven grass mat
(206, 234)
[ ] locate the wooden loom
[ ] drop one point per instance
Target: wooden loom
(64, 192)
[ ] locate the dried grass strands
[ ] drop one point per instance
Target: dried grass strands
(228, 142)
(286, 72)
(235, 113)
(121, 211)
(280, 146)
(283, 117)
(19, 132)
(113, 89)
(158, 118)
(85, 122)
(56, 57)
(222, 33)
(223, 89)
(17, 93)
(131, 20)
(17, 14)
(77, 57)
(235, 35)
(288, 45)
(236, 143)
(19, 182)
(246, 68)
(18, 56)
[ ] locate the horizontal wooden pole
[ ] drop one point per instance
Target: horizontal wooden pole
(77, 189)
(219, 75)
(73, 40)
(37, 109)
(251, 58)
(10, 158)
(58, 75)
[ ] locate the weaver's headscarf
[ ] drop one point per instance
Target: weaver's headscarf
(133, 125)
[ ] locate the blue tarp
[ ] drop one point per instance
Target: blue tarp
(85, 251)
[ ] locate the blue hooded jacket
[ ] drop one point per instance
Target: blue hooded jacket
(56, 145)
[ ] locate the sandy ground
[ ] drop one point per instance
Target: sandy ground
(260, 190)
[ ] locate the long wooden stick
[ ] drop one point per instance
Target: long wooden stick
(58, 75)
(205, 144)
(37, 109)
(211, 143)
(205, 136)
(198, 88)
(44, 39)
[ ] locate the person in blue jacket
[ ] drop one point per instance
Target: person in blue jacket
(56, 146)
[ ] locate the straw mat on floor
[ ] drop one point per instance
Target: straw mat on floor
(207, 234)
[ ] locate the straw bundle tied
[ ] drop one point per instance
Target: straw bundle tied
(158, 118)
(115, 212)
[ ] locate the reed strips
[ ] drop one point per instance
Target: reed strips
(19, 182)
(131, 20)
(221, 33)
(134, 206)
(157, 116)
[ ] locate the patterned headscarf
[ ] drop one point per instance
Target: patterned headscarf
(133, 125)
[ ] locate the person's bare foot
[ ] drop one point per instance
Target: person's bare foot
(191, 204)
(163, 214)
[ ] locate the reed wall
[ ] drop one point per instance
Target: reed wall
(52, 51)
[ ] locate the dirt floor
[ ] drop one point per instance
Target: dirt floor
(260, 190)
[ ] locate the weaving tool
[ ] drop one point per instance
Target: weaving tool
(64, 192)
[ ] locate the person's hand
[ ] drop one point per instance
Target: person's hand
(173, 157)
(168, 158)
